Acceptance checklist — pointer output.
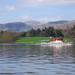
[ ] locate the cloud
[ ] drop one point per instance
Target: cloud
(10, 8)
(41, 19)
(29, 18)
(46, 2)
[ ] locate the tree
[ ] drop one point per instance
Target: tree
(59, 33)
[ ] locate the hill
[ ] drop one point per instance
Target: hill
(58, 22)
(25, 26)
(15, 27)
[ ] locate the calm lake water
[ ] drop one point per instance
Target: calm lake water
(25, 59)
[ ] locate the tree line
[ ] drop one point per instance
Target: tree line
(70, 33)
(46, 32)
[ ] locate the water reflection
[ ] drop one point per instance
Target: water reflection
(37, 60)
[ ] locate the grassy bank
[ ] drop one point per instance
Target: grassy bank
(66, 39)
(38, 39)
(33, 39)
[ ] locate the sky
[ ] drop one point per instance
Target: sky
(36, 10)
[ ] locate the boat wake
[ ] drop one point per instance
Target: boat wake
(56, 43)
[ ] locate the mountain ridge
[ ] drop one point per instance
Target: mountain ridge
(59, 22)
(25, 26)
(15, 27)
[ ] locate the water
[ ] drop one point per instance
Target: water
(25, 59)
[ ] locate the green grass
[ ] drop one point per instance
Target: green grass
(66, 39)
(33, 39)
(38, 39)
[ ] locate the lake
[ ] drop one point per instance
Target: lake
(31, 59)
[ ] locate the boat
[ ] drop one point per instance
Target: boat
(56, 42)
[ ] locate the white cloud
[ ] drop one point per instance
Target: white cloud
(29, 18)
(7, 8)
(46, 2)
(41, 19)
(10, 8)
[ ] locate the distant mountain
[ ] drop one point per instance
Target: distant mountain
(15, 27)
(65, 25)
(34, 24)
(58, 22)
(21, 26)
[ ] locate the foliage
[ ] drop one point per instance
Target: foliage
(46, 32)
(7, 36)
(70, 33)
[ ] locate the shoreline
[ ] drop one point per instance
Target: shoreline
(35, 40)
(39, 39)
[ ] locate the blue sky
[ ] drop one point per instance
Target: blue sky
(38, 10)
